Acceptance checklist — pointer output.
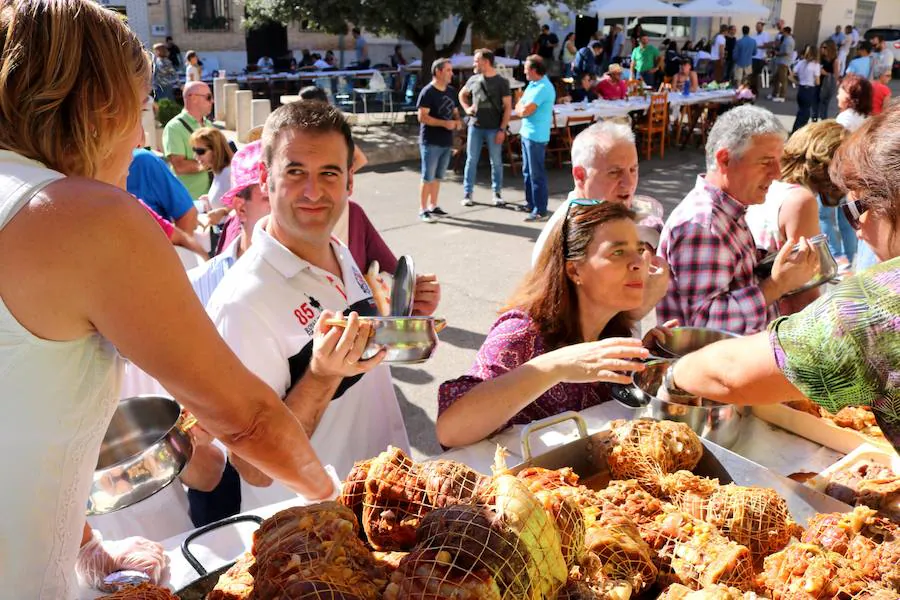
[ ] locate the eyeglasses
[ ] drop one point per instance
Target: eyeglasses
(853, 210)
(207, 96)
(199, 151)
(565, 223)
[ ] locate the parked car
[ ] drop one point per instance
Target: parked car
(891, 35)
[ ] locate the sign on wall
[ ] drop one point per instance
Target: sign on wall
(159, 30)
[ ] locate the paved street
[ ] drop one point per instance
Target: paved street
(481, 252)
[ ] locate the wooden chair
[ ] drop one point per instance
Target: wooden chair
(512, 150)
(655, 125)
(574, 126)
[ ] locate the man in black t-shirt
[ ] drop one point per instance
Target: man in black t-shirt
(438, 119)
(547, 43)
(486, 98)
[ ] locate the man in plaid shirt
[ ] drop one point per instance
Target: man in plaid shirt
(707, 242)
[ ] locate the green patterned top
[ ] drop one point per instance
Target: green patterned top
(844, 349)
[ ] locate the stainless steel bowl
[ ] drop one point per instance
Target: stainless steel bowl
(718, 423)
(827, 271)
(408, 340)
(143, 451)
(684, 340)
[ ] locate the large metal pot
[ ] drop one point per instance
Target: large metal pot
(408, 340)
(718, 423)
(680, 341)
(145, 448)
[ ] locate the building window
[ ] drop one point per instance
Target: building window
(208, 15)
(865, 13)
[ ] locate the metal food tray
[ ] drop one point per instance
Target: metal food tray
(586, 456)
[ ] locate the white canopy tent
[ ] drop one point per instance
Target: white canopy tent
(612, 9)
(725, 9)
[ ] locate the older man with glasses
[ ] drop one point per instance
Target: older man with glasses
(177, 138)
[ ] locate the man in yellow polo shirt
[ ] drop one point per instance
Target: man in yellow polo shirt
(177, 138)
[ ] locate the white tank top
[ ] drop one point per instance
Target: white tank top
(56, 400)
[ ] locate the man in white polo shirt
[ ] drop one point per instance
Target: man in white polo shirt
(272, 305)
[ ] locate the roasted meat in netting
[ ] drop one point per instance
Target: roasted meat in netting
(145, 591)
(694, 553)
(645, 449)
(236, 583)
(676, 591)
(629, 497)
(504, 547)
(751, 516)
(391, 494)
(806, 572)
(868, 484)
(869, 541)
(615, 541)
(304, 551)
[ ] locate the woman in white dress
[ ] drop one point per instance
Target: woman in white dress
(86, 275)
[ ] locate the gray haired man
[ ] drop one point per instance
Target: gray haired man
(707, 242)
(605, 167)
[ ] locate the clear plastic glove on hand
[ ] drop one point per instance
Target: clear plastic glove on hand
(98, 558)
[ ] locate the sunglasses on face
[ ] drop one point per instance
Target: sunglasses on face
(853, 210)
(199, 151)
(565, 223)
(207, 96)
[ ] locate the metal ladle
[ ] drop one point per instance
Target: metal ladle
(404, 288)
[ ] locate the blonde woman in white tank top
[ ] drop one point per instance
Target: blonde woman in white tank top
(85, 276)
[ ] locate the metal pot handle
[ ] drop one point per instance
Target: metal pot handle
(550, 422)
(192, 560)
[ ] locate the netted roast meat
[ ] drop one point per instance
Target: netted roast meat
(391, 494)
(576, 589)
(504, 546)
(145, 591)
(621, 552)
(236, 583)
(751, 516)
(807, 572)
(630, 498)
(313, 552)
(868, 483)
(645, 449)
(695, 554)
(676, 591)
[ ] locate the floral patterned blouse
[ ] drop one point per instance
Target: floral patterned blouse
(844, 349)
(513, 340)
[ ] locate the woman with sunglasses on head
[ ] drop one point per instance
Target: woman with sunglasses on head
(844, 349)
(211, 150)
(563, 336)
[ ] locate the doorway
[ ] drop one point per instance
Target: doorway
(269, 39)
(585, 28)
(806, 26)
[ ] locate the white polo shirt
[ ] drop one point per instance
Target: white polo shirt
(266, 308)
(762, 39)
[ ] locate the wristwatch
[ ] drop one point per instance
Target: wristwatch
(669, 381)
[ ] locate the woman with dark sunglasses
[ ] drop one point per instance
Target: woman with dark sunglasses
(564, 335)
(211, 150)
(844, 349)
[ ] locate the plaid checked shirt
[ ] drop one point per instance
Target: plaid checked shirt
(711, 251)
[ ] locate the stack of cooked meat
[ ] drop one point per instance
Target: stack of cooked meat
(868, 483)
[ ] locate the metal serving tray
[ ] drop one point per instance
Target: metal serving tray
(587, 457)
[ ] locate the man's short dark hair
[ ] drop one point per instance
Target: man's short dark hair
(168, 38)
(356, 30)
(596, 44)
(787, 30)
(745, 30)
(536, 64)
(486, 55)
(545, 26)
(438, 64)
(312, 117)
(865, 45)
(313, 93)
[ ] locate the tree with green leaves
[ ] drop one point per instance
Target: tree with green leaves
(418, 21)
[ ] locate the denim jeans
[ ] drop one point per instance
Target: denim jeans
(533, 156)
(827, 91)
(848, 235)
(477, 138)
(807, 104)
(828, 225)
(435, 160)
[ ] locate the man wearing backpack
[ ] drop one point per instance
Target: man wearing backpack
(177, 138)
(487, 100)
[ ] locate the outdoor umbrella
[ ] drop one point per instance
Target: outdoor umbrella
(724, 8)
(611, 9)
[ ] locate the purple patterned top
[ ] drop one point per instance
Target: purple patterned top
(513, 340)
